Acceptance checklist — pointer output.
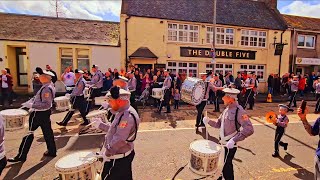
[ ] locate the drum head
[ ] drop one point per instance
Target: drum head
(157, 89)
(95, 113)
(76, 160)
(60, 98)
(13, 112)
(205, 146)
(198, 93)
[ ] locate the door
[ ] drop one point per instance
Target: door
(299, 70)
(22, 66)
(144, 67)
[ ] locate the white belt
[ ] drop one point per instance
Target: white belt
(119, 156)
(249, 88)
(225, 139)
(40, 110)
(2, 154)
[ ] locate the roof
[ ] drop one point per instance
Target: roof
(60, 30)
(143, 52)
(245, 13)
(304, 23)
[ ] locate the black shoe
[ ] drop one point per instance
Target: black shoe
(285, 146)
(15, 159)
(60, 124)
(167, 112)
(316, 112)
(84, 124)
(275, 154)
(250, 109)
(216, 111)
(47, 154)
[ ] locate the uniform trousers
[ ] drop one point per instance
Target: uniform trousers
(166, 100)
(80, 103)
(6, 94)
(293, 99)
(277, 138)
(3, 163)
(38, 119)
(95, 92)
(317, 109)
(249, 99)
(228, 166)
(216, 97)
(200, 107)
(118, 169)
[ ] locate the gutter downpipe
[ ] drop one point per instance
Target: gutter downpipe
(280, 58)
(294, 40)
(126, 39)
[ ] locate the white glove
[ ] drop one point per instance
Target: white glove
(96, 123)
(230, 144)
(27, 105)
(68, 95)
(89, 85)
(163, 88)
(105, 104)
(205, 120)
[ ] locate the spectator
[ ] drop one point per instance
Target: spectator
(111, 73)
(244, 75)
(6, 87)
(145, 82)
(179, 82)
(136, 68)
(270, 84)
(55, 77)
(277, 84)
(176, 98)
(238, 82)
(71, 68)
(227, 80)
(122, 72)
(139, 83)
(68, 79)
(107, 82)
(13, 94)
(36, 84)
(301, 85)
(312, 78)
(86, 75)
(150, 74)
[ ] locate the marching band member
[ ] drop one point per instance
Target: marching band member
(40, 116)
(281, 123)
(121, 133)
(249, 97)
(167, 92)
(293, 83)
(3, 159)
(229, 122)
(122, 82)
(316, 86)
(200, 107)
(217, 92)
(96, 84)
(132, 85)
(77, 100)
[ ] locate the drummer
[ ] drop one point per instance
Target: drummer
(217, 92)
(96, 84)
(229, 123)
(167, 92)
(122, 82)
(40, 116)
(77, 100)
(119, 148)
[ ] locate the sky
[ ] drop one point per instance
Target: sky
(109, 10)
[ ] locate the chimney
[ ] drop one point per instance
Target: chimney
(271, 3)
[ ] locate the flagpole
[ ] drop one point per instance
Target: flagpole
(213, 53)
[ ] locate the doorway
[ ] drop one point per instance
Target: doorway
(144, 67)
(22, 66)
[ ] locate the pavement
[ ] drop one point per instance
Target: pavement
(162, 147)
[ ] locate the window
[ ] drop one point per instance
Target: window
(259, 70)
(224, 36)
(183, 33)
(220, 68)
(83, 58)
(189, 68)
(305, 41)
(253, 38)
(66, 58)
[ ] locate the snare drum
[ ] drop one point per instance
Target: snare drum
(99, 100)
(14, 118)
(157, 93)
(192, 91)
(62, 103)
(98, 114)
(77, 166)
(204, 157)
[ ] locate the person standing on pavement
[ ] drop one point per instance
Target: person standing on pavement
(68, 79)
(281, 123)
(132, 86)
(217, 92)
(6, 87)
(3, 159)
(167, 92)
(229, 123)
(95, 85)
(270, 84)
(293, 89)
(316, 86)
(77, 100)
(176, 98)
(118, 149)
(249, 97)
(40, 107)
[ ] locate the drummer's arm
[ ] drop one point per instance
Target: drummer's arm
(1, 135)
(216, 124)
(94, 80)
(247, 128)
(104, 126)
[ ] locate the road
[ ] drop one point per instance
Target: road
(162, 147)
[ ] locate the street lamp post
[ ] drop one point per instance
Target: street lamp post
(213, 48)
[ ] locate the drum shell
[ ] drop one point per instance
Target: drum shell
(62, 103)
(14, 121)
(98, 100)
(157, 93)
(192, 91)
(98, 114)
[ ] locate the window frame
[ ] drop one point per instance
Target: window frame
(178, 32)
(255, 70)
(175, 68)
(253, 36)
(73, 58)
(209, 35)
(305, 41)
(217, 69)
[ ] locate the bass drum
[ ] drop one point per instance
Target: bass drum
(192, 91)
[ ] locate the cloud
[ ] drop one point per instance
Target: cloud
(97, 10)
(302, 8)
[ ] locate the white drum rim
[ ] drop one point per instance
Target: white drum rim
(203, 141)
(22, 112)
(61, 98)
(75, 168)
(96, 112)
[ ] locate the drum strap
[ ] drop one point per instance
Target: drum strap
(136, 127)
(237, 124)
(207, 86)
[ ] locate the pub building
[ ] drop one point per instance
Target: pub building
(305, 44)
(177, 35)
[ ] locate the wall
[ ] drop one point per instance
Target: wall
(2, 55)
(106, 57)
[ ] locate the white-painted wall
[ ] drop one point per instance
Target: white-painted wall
(2, 55)
(41, 54)
(106, 57)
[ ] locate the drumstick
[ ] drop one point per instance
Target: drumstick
(206, 115)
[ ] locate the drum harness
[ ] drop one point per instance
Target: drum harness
(237, 124)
